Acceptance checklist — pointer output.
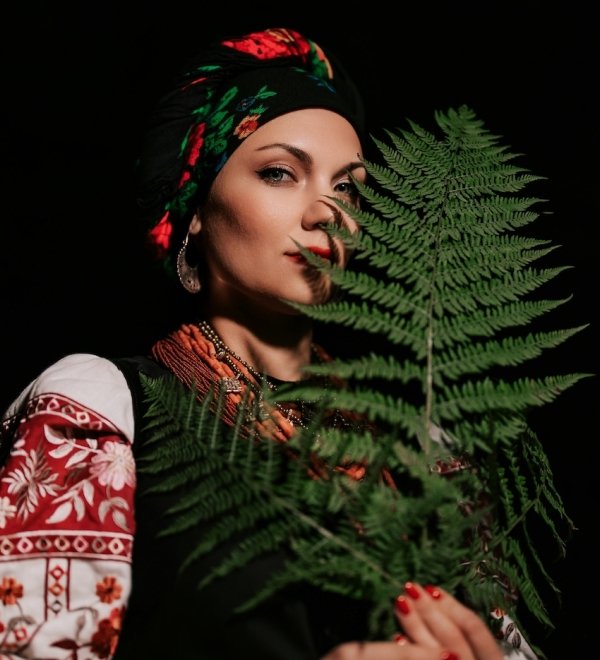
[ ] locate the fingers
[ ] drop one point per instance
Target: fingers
(435, 627)
(434, 618)
(472, 626)
(413, 620)
(426, 622)
(387, 651)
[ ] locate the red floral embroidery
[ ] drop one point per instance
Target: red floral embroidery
(66, 496)
(109, 590)
(105, 639)
(10, 591)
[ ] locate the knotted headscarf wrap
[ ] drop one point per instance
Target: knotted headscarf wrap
(232, 88)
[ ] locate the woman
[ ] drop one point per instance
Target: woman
(239, 171)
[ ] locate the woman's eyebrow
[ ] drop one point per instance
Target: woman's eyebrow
(303, 156)
(350, 167)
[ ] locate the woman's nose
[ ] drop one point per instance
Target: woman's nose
(320, 211)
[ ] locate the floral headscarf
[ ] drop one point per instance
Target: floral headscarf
(224, 95)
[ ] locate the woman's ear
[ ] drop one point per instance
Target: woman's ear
(195, 224)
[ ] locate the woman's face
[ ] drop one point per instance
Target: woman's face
(271, 192)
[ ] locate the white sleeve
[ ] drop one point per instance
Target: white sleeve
(66, 512)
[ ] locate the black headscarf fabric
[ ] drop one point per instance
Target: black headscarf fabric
(228, 91)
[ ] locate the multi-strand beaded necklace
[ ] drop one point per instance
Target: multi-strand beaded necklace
(201, 360)
(220, 367)
(257, 382)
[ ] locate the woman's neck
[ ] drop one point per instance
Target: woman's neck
(276, 345)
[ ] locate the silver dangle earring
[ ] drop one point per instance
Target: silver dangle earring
(188, 275)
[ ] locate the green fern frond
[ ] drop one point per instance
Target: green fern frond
(369, 367)
(364, 401)
(363, 316)
(486, 395)
(390, 296)
(511, 351)
(495, 291)
(338, 447)
(488, 321)
(455, 487)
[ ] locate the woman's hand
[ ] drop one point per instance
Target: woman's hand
(436, 627)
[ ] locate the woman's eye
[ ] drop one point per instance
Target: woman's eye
(348, 189)
(274, 175)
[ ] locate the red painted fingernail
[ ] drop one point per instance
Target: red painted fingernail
(434, 592)
(401, 640)
(411, 590)
(402, 605)
(448, 655)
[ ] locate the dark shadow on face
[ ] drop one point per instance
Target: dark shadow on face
(321, 286)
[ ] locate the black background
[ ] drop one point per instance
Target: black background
(78, 79)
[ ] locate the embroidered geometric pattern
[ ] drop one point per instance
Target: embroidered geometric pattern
(66, 519)
(67, 543)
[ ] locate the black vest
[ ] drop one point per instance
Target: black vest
(169, 618)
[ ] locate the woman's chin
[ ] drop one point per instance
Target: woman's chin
(313, 295)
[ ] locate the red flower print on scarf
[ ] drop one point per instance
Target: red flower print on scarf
(160, 235)
(195, 142)
(247, 126)
(270, 44)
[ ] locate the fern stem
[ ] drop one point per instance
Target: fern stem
(330, 536)
(520, 519)
(427, 413)
(238, 426)
(215, 429)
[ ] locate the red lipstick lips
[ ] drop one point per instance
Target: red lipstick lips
(324, 253)
(320, 252)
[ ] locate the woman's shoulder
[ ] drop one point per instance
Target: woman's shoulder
(88, 380)
(77, 373)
